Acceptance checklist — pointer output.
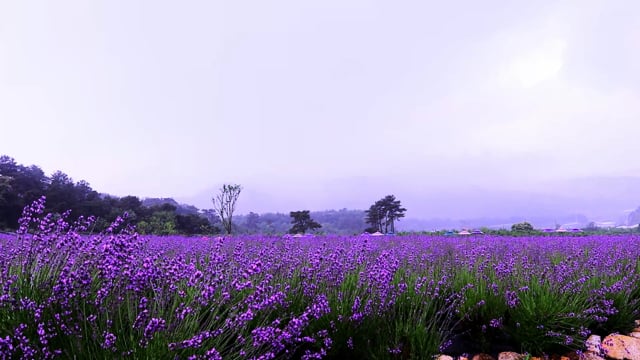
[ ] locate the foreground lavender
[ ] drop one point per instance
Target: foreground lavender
(116, 294)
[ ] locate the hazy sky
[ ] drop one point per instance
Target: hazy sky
(167, 98)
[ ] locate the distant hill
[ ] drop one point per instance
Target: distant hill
(340, 222)
(573, 201)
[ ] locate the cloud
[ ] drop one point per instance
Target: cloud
(210, 92)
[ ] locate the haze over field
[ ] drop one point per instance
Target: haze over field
(573, 202)
(462, 109)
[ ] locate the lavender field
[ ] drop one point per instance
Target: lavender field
(117, 294)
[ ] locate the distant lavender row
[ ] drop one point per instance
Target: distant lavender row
(118, 294)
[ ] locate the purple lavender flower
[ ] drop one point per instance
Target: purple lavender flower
(155, 325)
(109, 341)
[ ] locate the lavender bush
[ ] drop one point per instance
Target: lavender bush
(66, 294)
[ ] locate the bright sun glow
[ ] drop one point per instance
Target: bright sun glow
(540, 65)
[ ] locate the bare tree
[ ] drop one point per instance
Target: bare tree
(224, 204)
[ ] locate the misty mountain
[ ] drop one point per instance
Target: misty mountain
(429, 206)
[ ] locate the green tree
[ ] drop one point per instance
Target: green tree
(6, 216)
(212, 216)
(19, 186)
(87, 202)
(225, 204)
(61, 193)
(193, 224)
(395, 211)
(591, 226)
(523, 227)
(252, 223)
(5, 189)
(302, 222)
(383, 214)
(160, 223)
(130, 203)
(375, 217)
(31, 183)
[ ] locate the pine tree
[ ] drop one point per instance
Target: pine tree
(302, 222)
(383, 214)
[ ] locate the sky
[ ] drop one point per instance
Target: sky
(165, 98)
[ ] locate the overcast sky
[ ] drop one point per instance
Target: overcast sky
(167, 98)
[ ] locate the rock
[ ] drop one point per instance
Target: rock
(510, 355)
(590, 356)
(621, 347)
(444, 357)
(482, 356)
(558, 357)
(635, 334)
(594, 344)
(572, 355)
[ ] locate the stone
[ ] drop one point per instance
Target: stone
(572, 355)
(482, 356)
(635, 334)
(621, 347)
(444, 357)
(559, 357)
(590, 356)
(594, 344)
(510, 355)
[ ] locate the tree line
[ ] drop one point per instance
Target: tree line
(381, 216)
(339, 222)
(21, 185)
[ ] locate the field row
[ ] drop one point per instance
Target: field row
(119, 294)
